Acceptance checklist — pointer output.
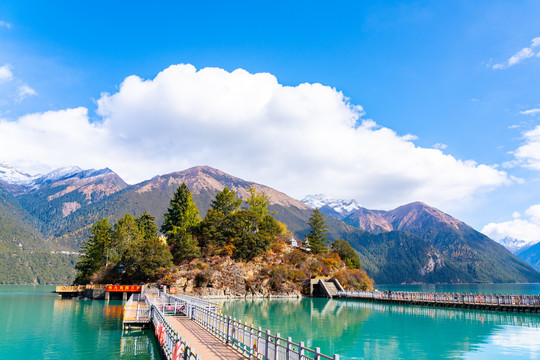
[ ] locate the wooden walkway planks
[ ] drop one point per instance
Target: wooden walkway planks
(204, 343)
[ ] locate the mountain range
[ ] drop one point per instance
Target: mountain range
(414, 243)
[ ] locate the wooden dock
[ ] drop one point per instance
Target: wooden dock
(494, 302)
(193, 329)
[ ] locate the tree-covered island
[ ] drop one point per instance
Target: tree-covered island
(233, 251)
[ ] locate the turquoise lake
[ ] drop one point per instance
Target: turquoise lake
(35, 324)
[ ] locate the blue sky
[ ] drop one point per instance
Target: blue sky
(436, 70)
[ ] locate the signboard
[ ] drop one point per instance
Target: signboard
(124, 288)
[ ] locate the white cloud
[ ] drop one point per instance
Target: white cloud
(302, 139)
(440, 146)
(521, 55)
(25, 91)
(530, 112)
(13, 88)
(528, 154)
(5, 73)
(5, 24)
(524, 232)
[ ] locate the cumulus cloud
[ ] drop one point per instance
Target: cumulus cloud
(299, 139)
(521, 55)
(528, 154)
(5, 73)
(519, 232)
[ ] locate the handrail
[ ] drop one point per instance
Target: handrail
(255, 342)
(499, 300)
(247, 339)
(173, 345)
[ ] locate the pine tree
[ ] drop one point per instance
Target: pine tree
(182, 212)
(179, 224)
(317, 236)
(226, 202)
(126, 232)
(95, 251)
(147, 226)
(258, 203)
(144, 257)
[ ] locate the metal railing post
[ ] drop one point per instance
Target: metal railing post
(289, 340)
(228, 329)
(277, 346)
(301, 351)
(267, 342)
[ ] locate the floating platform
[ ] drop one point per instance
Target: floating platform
(97, 291)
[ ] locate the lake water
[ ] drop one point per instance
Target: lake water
(362, 330)
(35, 324)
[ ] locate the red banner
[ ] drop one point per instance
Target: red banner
(124, 288)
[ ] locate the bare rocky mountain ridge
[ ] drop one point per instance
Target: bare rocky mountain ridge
(201, 179)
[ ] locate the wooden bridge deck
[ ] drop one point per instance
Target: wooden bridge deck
(205, 344)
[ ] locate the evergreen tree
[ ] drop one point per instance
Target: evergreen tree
(210, 232)
(182, 212)
(179, 224)
(147, 226)
(126, 231)
(346, 253)
(226, 202)
(258, 203)
(95, 251)
(317, 236)
(144, 257)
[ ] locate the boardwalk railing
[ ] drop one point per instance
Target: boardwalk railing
(498, 301)
(172, 344)
(134, 312)
(253, 342)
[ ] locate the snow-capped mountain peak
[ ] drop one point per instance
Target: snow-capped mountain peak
(515, 245)
(60, 173)
(338, 205)
(11, 175)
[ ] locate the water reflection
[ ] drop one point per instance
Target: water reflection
(138, 345)
(363, 330)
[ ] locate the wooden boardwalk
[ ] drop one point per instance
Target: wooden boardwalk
(204, 343)
(194, 329)
(495, 302)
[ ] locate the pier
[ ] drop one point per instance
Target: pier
(97, 291)
(495, 302)
(190, 328)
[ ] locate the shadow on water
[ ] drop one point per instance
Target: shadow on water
(363, 330)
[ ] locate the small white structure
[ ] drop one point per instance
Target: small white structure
(294, 242)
